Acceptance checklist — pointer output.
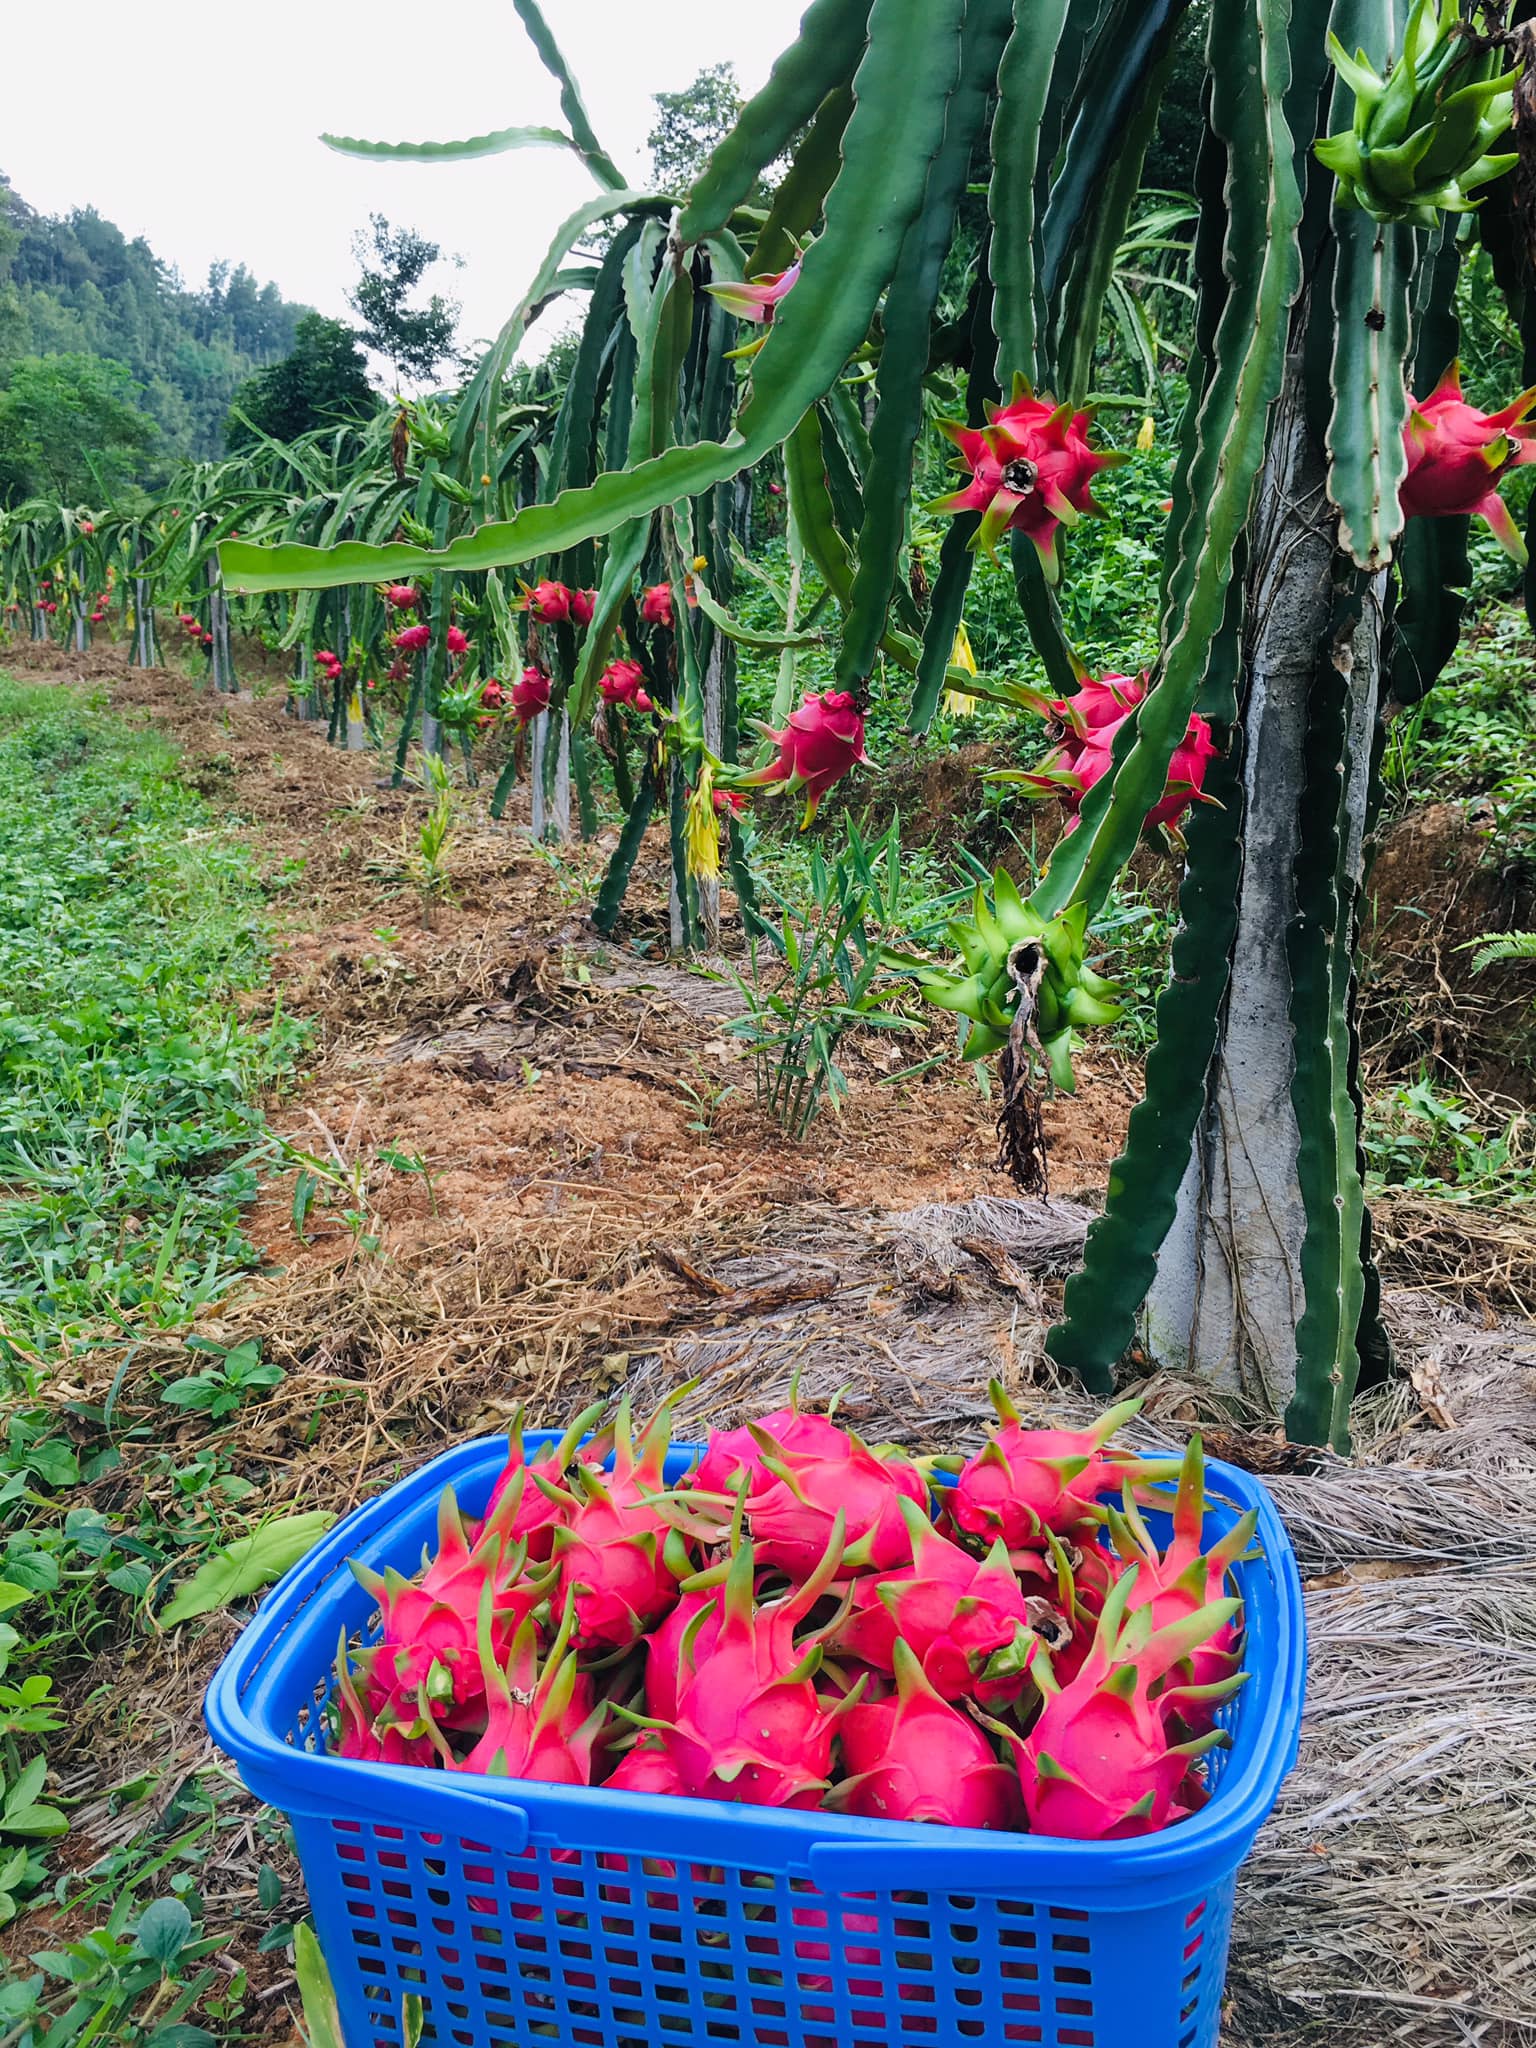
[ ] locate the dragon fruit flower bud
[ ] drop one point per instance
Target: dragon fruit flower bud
(530, 694)
(1457, 456)
(758, 300)
(656, 604)
(548, 602)
(819, 744)
(1031, 472)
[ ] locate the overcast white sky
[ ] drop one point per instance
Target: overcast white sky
(194, 123)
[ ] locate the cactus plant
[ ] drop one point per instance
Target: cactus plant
(1296, 587)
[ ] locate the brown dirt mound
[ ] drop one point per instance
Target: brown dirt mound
(1434, 888)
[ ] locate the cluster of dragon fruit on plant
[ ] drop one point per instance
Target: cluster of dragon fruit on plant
(808, 1621)
(1031, 470)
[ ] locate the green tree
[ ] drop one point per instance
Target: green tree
(415, 340)
(689, 124)
(70, 428)
(323, 382)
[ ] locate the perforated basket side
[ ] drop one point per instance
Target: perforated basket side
(621, 1951)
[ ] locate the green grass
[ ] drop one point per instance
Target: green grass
(131, 1130)
(129, 1084)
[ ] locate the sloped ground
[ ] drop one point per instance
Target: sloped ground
(534, 1129)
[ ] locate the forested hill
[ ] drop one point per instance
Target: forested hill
(78, 286)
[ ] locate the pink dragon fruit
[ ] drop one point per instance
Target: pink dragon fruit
(1031, 470)
(750, 1724)
(583, 605)
(656, 604)
(548, 602)
(1181, 1580)
(793, 1510)
(458, 640)
(428, 1650)
(411, 639)
(818, 746)
(648, 1767)
(401, 597)
(620, 1559)
(954, 1614)
(1098, 1764)
(1458, 455)
(536, 1515)
(530, 695)
(1085, 755)
(731, 1451)
(916, 1758)
(1026, 1481)
(540, 1722)
(664, 1648)
(623, 682)
(363, 1736)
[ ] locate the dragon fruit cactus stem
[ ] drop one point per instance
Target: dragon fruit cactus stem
(916, 1758)
(750, 1725)
(1098, 1764)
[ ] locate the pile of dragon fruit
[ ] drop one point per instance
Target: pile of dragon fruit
(806, 1620)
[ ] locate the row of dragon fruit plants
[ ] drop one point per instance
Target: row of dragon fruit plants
(467, 659)
(808, 1621)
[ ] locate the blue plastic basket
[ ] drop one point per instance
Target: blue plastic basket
(528, 1914)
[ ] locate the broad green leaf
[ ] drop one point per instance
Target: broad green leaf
(245, 1566)
(164, 1930)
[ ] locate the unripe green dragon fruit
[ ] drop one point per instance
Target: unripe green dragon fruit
(1425, 135)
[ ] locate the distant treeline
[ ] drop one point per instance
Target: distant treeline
(76, 286)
